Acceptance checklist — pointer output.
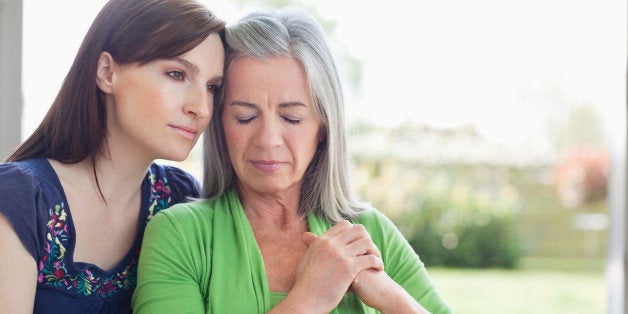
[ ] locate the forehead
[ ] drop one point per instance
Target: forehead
(274, 73)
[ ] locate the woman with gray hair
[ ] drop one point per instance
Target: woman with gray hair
(280, 229)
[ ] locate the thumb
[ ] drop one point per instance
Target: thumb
(308, 238)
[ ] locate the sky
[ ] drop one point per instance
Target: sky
(498, 65)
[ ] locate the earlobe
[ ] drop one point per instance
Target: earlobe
(105, 72)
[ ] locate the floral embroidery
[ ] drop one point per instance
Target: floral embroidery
(159, 195)
(53, 269)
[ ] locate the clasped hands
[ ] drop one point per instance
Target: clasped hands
(342, 258)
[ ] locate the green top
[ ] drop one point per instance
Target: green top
(203, 257)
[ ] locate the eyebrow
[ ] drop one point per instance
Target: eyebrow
(243, 104)
(291, 104)
(191, 66)
(281, 105)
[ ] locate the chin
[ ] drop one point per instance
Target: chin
(176, 155)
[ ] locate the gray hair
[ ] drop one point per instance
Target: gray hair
(295, 34)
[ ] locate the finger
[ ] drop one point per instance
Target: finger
(353, 233)
(363, 246)
(308, 238)
(337, 229)
(369, 261)
(356, 280)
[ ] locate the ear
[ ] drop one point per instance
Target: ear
(105, 72)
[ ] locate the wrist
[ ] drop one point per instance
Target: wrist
(402, 302)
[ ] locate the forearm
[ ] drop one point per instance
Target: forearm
(377, 290)
(401, 302)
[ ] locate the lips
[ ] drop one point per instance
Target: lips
(186, 132)
(266, 165)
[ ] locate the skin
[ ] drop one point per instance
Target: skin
(154, 111)
(271, 126)
(272, 132)
(159, 109)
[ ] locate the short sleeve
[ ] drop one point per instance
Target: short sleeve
(21, 201)
(401, 263)
(182, 184)
(168, 270)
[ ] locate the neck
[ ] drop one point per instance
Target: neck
(119, 177)
(121, 169)
(278, 209)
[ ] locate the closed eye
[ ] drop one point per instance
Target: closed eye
(244, 120)
(292, 120)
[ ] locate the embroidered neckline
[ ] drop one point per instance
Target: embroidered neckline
(53, 266)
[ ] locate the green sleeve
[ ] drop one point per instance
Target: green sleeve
(169, 266)
(401, 263)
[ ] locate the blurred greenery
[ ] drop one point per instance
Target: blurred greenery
(461, 231)
(456, 212)
(581, 289)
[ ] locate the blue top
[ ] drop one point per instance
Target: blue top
(33, 200)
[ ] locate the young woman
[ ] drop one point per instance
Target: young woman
(76, 196)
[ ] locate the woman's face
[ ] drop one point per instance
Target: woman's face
(270, 124)
(159, 109)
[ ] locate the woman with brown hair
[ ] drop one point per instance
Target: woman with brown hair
(76, 196)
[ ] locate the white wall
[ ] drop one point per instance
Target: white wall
(10, 75)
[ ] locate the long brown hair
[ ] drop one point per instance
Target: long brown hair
(75, 126)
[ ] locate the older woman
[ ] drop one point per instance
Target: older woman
(280, 230)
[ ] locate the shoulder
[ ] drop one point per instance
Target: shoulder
(23, 180)
(171, 174)
(384, 233)
(176, 180)
(190, 211)
(185, 218)
(16, 173)
(26, 192)
(194, 216)
(375, 221)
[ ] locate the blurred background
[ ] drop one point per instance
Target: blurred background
(481, 128)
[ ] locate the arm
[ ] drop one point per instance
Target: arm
(167, 279)
(377, 290)
(18, 272)
(405, 282)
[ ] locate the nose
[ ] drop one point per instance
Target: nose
(269, 134)
(199, 103)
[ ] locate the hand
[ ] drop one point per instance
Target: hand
(377, 290)
(330, 265)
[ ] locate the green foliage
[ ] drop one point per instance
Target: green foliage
(452, 215)
(461, 233)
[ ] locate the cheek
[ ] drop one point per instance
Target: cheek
(146, 105)
(305, 145)
(208, 120)
(233, 139)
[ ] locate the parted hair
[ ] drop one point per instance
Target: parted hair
(137, 31)
(295, 34)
